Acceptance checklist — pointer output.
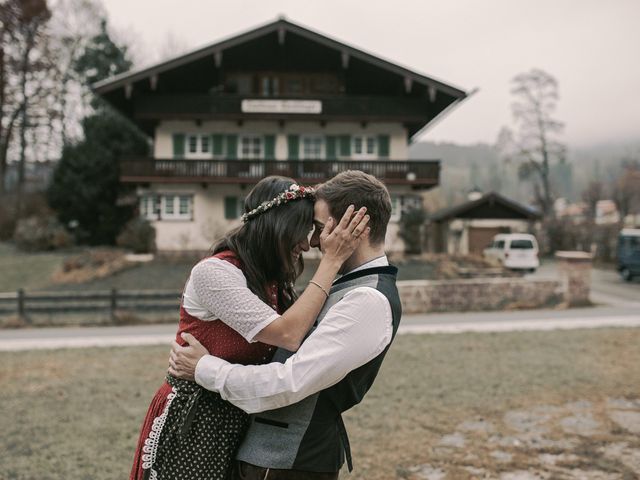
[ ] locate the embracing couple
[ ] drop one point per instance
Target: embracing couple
(259, 377)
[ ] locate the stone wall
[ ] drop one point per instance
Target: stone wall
(428, 296)
(571, 288)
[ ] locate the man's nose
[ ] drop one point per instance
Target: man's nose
(304, 246)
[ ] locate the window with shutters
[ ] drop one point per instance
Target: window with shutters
(312, 147)
(364, 146)
(251, 147)
(166, 206)
(198, 146)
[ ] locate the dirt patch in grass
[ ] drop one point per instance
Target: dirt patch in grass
(447, 405)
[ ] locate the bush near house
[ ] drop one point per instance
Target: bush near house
(41, 233)
(138, 235)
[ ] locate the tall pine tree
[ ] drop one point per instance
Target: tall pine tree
(85, 188)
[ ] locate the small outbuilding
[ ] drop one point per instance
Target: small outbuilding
(469, 227)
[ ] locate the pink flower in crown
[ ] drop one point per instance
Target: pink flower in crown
(302, 190)
(289, 195)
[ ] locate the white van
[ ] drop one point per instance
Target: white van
(517, 251)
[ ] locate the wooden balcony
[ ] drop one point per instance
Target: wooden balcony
(418, 174)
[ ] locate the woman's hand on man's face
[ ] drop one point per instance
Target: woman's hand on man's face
(341, 240)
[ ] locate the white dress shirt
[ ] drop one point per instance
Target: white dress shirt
(353, 332)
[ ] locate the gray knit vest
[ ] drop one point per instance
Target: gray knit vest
(310, 434)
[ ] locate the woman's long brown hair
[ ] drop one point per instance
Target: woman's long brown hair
(265, 243)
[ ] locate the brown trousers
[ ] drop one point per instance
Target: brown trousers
(246, 471)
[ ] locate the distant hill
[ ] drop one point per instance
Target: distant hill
(465, 167)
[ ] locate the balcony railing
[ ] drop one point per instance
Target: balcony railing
(415, 173)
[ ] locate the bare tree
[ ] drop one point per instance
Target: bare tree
(23, 65)
(626, 189)
(591, 196)
(534, 142)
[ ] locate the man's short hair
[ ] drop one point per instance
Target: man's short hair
(362, 190)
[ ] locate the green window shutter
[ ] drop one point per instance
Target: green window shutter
(345, 145)
(269, 147)
(331, 147)
(230, 208)
(383, 145)
(293, 145)
(178, 145)
(217, 144)
(232, 147)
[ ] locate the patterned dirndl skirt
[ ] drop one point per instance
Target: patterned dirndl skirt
(188, 433)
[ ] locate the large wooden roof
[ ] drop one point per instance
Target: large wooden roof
(285, 46)
(492, 205)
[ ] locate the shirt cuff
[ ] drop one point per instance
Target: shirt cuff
(251, 336)
(210, 373)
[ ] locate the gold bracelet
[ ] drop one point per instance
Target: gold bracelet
(320, 287)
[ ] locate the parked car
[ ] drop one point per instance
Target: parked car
(629, 253)
(517, 251)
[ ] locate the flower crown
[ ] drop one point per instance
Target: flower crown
(294, 192)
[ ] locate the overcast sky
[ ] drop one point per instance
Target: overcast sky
(592, 47)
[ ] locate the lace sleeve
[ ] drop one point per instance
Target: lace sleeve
(218, 290)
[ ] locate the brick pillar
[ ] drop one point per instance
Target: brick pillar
(575, 273)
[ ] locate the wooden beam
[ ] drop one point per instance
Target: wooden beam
(281, 34)
(408, 83)
(217, 57)
(128, 90)
(345, 60)
(432, 93)
(153, 80)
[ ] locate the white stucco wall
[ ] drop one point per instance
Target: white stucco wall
(208, 223)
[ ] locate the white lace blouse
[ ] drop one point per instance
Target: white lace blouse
(216, 289)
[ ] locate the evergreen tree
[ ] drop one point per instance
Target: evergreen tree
(85, 187)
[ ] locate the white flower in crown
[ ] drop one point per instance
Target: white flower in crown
(294, 188)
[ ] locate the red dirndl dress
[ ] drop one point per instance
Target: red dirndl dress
(190, 432)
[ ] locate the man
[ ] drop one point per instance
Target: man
(297, 432)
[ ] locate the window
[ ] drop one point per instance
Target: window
(193, 143)
(169, 204)
(403, 203)
(184, 206)
(312, 147)
(364, 146)
(198, 146)
(204, 143)
(166, 207)
(521, 244)
(251, 147)
(149, 207)
(396, 208)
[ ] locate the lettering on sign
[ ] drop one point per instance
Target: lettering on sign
(282, 106)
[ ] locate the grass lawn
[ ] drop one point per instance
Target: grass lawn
(75, 414)
(26, 270)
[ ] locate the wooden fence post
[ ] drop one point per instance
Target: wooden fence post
(22, 311)
(113, 305)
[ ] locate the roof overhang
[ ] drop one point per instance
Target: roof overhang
(118, 89)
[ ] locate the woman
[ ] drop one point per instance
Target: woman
(240, 304)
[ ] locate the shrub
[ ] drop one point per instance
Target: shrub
(40, 233)
(412, 230)
(139, 236)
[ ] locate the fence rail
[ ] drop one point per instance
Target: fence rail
(110, 302)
